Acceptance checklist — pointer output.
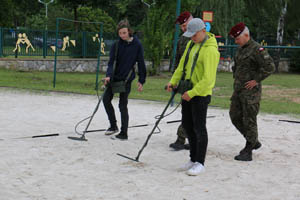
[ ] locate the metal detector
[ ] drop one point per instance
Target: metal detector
(143, 125)
(290, 121)
(135, 126)
(82, 138)
(136, 159)
(38, 136)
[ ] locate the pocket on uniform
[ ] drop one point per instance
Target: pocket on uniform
(253, 99)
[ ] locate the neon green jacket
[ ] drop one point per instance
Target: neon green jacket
(204, 75)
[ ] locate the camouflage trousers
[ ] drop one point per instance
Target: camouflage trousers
(181, 134)
(243, 113)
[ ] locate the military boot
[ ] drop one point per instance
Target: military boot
(246, 153)
(244, 156)
(254, 147)
(187, 146)
(177, 145)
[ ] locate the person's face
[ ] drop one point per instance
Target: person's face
(199, 36)
(241, 40)
(183, 26)
(124, 34)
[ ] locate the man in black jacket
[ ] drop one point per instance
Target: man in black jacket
(128, 51)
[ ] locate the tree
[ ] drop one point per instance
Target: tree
(74, 5)
(6, 14)
(135, 12)
(156, 36)
(280, 31)
(112, 7)
(38, 20)
(292, 27)
(262, 18)
(225, 14)
(96, 15)
(24, 9)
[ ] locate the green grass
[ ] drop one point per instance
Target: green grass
(281, 92)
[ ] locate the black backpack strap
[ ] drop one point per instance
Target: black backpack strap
(131, 71)
(186, 59)
(197, 55)
(115, 60)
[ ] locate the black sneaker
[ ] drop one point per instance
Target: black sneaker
(177, 146)
(111, 130)
(122, 136)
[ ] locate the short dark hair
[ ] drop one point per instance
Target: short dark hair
(124, 24)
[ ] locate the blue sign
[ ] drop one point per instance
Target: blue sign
(207, 24)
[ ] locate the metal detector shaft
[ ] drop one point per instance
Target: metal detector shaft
(47, 135)
(82, 138)
(37, 136)
(179, 120)
(174, 121)
(143, 125)
(290, 121)
(98, 130)
(156, 124)
(95, 110)
(135, 126)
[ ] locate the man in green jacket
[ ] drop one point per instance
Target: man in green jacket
(202, 53)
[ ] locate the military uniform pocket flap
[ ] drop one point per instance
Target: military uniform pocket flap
(245, 56)
(253, 99)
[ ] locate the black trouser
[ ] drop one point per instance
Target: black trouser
(194, 115)
(123, 101)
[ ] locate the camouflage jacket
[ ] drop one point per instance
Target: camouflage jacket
(182, 42)
(251, 62)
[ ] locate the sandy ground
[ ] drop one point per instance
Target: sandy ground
(57, 168)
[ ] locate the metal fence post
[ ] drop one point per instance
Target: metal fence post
(83, 44)
(44, 43)
(16, 53)
(1, 42)
(55, 52)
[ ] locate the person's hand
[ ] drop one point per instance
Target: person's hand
(106, 80)
(186, 97)
(169, 87)
(250, 84)
(140, 87)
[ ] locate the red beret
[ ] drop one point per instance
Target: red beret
(237, 30)
(183, 17)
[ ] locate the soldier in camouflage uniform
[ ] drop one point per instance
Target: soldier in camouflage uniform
(183, 19)
(252, 64)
